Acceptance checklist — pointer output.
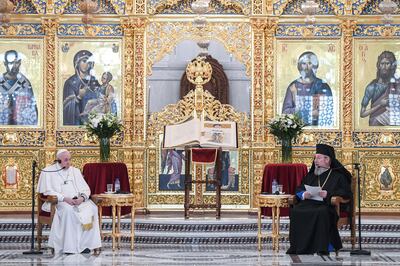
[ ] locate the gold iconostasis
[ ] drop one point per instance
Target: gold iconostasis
(348, 49)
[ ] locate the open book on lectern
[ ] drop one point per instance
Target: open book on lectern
(196, 132)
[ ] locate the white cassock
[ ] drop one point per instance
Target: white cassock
(74, 228)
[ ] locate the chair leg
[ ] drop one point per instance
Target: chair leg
(39, 236)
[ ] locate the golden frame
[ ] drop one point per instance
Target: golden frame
(102, 50)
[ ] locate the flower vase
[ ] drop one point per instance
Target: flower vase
(286, 150)
(104, 149)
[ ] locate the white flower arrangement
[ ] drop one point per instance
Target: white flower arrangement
(103, 125)
(286, 126)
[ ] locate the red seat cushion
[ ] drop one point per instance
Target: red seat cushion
(344, 214)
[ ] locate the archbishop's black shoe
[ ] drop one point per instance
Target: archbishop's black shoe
(323, 253)
(85, 251)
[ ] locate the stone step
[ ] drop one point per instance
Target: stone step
(202, 226)
(169, 231)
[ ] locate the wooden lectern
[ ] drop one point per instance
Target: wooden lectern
(201, 156)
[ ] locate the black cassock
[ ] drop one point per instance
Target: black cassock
(313, 224)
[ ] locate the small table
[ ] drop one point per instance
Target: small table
(116, 201)
(275, 202)
(98, 175)
(289, 175)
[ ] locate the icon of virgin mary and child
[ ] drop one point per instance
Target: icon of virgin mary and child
(83, 94)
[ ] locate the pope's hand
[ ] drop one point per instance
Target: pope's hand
(78, 201)
(69, 201)
(323, 193)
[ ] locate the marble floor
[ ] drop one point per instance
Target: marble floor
(168, 239)
(196, 255)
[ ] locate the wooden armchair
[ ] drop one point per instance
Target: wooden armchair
(347, 217)
(43, 216)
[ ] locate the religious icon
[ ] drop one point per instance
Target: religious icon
(313, 92)
(308, 95)
(377, 84)
(20, 83)
(381, 101)
(386, 178)
(85, 91)
(230, 176)
(172, 172)
(10, 176)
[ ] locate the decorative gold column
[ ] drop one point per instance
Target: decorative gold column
(348, 27)
(348, 156)
(139, 160)
(50, 26)
(134, 95)
(134, 159)
(258, 26)
(139, 111)
(269, 77)
(263, 87)
(129, 58)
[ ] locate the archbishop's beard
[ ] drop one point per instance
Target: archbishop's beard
(320, 170)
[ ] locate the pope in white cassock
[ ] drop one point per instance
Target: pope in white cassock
(75, 227)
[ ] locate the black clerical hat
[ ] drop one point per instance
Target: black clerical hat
(326, 150)
(335, 164)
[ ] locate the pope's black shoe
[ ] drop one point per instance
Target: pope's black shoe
(85, 251)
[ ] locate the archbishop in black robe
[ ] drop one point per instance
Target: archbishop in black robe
(313, 224)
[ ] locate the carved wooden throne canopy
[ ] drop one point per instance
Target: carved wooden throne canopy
(218, 85)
